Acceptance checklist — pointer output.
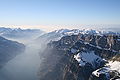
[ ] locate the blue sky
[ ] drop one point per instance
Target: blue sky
(58, 12)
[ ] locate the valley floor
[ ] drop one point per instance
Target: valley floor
(24, 66)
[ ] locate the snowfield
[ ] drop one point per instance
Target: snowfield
(109, 67)
(87, 57)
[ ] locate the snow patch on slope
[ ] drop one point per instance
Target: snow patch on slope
(109, 67)
(118, 39)
(87, 57)
(114, 65)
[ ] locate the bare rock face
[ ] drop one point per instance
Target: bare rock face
(76, 57)
(53, 65)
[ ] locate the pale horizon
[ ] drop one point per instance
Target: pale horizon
(48, 28)
(56, 14)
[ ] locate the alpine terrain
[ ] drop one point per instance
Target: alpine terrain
(81, 55)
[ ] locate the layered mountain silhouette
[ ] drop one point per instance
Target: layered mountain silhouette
(9, 49)
(19, 33)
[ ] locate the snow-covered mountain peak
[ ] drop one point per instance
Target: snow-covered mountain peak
(82, 31)
(61, 31)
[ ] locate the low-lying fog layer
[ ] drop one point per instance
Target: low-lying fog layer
(24, 66)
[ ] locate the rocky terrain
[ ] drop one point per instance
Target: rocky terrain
(87, 55)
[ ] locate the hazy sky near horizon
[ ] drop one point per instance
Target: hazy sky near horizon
(46, 13)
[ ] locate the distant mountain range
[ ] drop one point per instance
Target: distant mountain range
(19, 33)
(58, 34)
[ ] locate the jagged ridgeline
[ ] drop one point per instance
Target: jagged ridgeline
(19, 33)
(9, 49)
(82, 57)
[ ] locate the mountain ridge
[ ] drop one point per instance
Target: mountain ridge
(73, 64)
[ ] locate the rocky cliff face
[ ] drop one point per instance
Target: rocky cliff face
(76, 57)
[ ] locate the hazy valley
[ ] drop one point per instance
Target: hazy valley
(59, 55)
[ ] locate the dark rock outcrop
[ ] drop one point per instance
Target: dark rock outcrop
(59, 62)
